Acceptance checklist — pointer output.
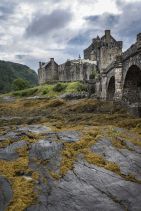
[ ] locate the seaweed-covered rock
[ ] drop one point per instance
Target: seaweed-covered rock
(35, 129)
(69, 136)
(9, 153)
(85, 186)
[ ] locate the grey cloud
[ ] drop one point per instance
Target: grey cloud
(6, 10)
(106, 20)
(20, 56)
(44, 24)
(82, 38)
(130, 19)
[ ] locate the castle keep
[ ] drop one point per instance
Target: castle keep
(116, 74)
(103, 50)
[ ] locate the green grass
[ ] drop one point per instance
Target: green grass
(25, 92)
(66, 88)
(51, 90)
(74, 87)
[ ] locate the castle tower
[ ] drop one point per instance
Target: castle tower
(109, 49)
(48, 72)
(103, 50)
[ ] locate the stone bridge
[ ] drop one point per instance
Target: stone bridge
(121, 80)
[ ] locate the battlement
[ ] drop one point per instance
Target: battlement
(139, 37)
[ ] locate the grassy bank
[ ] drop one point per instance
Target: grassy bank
(51, 90)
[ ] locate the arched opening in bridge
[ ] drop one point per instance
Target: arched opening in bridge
(111, 89)
(132, 89)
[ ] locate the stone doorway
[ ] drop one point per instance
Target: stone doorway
(111, 89)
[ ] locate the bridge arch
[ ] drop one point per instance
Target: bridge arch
(132, 85)
(111, 88)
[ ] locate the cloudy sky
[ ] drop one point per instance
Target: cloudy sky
(34, 30)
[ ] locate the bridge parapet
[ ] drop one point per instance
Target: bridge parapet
(130, 52)
(134, 49)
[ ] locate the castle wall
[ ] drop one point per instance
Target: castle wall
(76, 70)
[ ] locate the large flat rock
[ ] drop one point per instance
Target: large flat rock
(128, 160)
(45, 149)
(89, 187)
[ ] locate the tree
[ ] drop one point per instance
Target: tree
(20, 84)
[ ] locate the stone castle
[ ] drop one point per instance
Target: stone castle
(116, 74)
(97, 57)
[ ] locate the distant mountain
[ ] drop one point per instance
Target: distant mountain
(9, 71)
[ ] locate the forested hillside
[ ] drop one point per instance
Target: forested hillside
(9, 71)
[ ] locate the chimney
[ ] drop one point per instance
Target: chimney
(40, 64)
(52, 59)
(107, 35)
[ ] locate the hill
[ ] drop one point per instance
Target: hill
(9, 71)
